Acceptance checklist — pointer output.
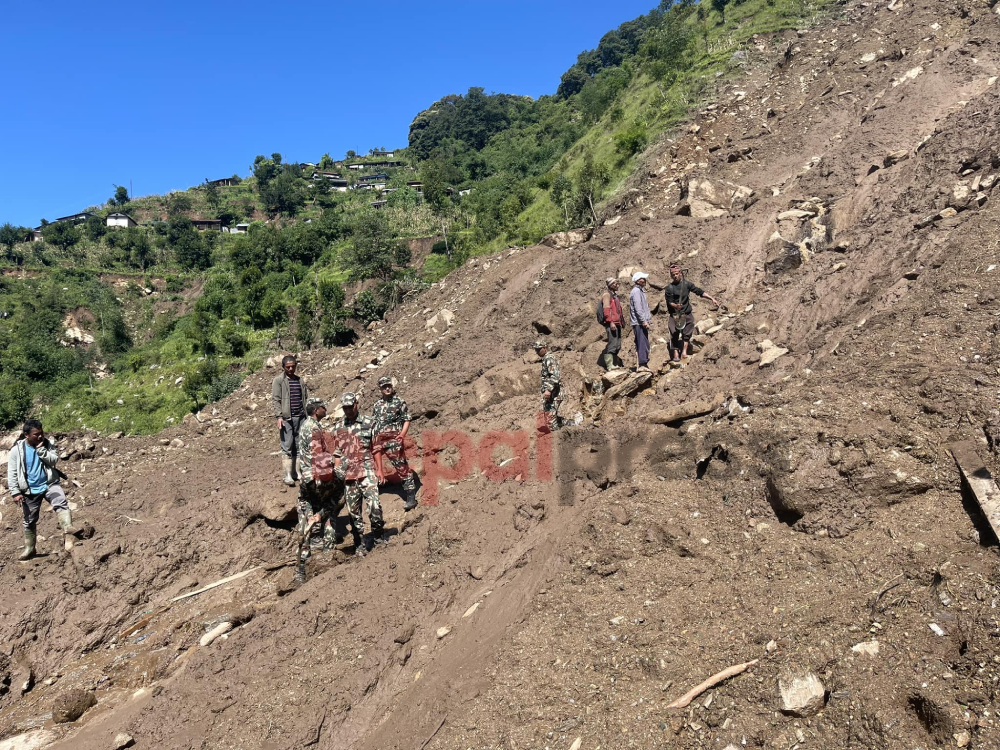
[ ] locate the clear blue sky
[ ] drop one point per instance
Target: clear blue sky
(168, 94)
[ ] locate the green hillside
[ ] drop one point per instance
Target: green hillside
(130, 328)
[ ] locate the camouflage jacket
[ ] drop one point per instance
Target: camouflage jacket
(354, 443)
(313, 441)
(550, 373)
(390, 414)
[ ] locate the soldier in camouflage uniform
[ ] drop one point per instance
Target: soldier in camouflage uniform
(392, 422)
(354, 436)
(319, 500)
(551, 384)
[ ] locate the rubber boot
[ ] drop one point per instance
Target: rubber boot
(379, 537)
(66, 523)
(286, 465)
(29, 545)
(411, 500)
(359, 545)
(609, 362)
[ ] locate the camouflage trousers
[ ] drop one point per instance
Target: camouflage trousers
(366, 488)
(392, 452)
(551, 407)
(326, 499)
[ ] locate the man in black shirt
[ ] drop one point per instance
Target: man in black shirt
(681, 323)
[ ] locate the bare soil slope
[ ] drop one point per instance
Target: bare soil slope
(842, 202)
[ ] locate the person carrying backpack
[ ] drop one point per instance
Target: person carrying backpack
(609, 314)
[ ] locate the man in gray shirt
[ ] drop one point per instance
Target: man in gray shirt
(289, 395)
(640, 317)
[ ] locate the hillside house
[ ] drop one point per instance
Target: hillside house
(319, 175)
(224, 182)
(118, 219)
(202, 225)
(36, 234)
(388, 191)
(416, 185)
(383, 154)
(334, 179)
(379, 164)
(378, 204)
(238, 229)
(76, 218)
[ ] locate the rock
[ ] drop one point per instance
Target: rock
(278, 508)
(442, 319)
(35, 740)
(212, 635)
(476, 573)
(961, 195)
(176, 443)
(913, 274)
(442, 632)
(869, 648)
(630, 387)
(764, 345)
(795, 213)
(577, 744)
(771, 647)
(714, 330)
(802, 694)
(563, 240)
(894, 157)
(499, 384)
(405, 634)
(962, 739)
(703, 325)
(947, 213)
(614, 377)
(471, 610)
(687, 410)
(71, 705)
(122, 741)
(616, 620)
(771, 355)
(704, 198)
(782, 255)
(544, 327)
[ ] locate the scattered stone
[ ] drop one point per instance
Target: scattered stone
(577, 744)
(564, 240)
(442, 632)
(963, 738)
(630, 387)
(714, 330)
(895, 157)
(176, 443)
(802, 695)
(772, 354)
(703, 325)
(122, 741)
(614, 377)
(771, 647)
(404, 635)
(703, 198)
(936, 629)
(870, 648)
(471, 610)
(476, 573)
(617, 620)
(71, 705)
(795, 213)
(947, 213)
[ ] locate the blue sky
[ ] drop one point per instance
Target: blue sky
(169, 94)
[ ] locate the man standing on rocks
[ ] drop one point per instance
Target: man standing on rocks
(551, 384)
(289, 394)
(321, 494)
(640, 317)
(613, 320)
(32, 477)
(392, 422)
(354, 436)
(681, 323)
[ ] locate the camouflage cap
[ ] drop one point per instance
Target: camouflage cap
(384, 381)
(348, 399)
(314, 403)
(540, 344)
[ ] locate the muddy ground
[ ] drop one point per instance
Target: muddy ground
(799, 508)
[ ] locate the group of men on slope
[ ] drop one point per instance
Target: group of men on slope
(680, 325)
(343, 463)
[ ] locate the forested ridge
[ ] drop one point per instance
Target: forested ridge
(129, 328)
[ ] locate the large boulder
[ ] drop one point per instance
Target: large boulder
(631, 386)
(704, 198)
(500, 384)
(71, 705)
(687, 410)
(563, 240)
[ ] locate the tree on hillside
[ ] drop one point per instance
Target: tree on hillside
(10, 235)
(178, 203)
(212, 196)
(192, 249)
(265, 170)
(62, 234)
(719, 6)
(325, 161)
(283, 195)
(373, 253)
(593, 176)
(120, 199)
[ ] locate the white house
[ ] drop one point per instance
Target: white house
(120, 220)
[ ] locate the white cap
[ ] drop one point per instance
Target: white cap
(639, 275)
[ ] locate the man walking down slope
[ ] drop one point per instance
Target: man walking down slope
(392, 422)
(321, 492)
(289, 394)
(640, 317)
(32, 477)
(551, 384)
(354, 435)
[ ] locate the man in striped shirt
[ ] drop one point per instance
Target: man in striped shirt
(289, 394)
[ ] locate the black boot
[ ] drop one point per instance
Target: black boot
(359, 545)
(411, 500)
